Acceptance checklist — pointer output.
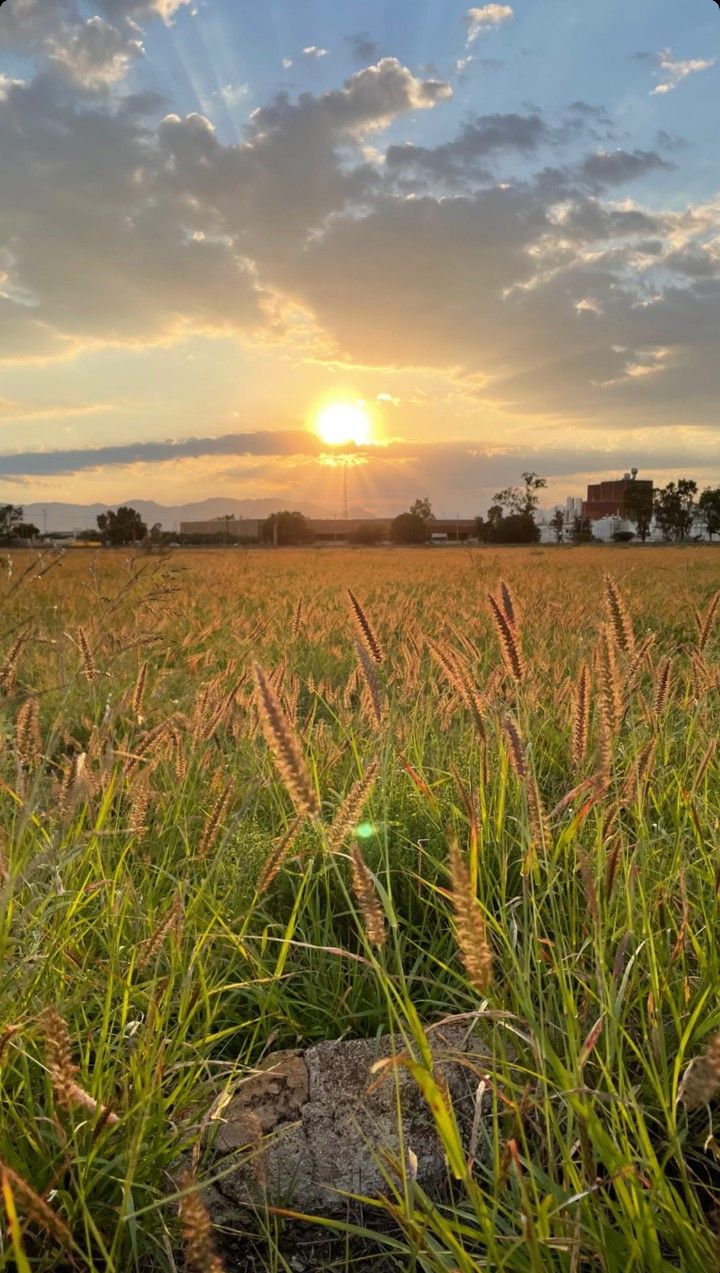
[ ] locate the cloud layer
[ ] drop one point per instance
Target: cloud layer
(517, 252)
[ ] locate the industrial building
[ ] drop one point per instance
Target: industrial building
(609, 499)
(329, 530)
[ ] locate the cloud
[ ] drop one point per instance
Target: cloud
(312, 51)
(674, 72)
(363, 48)
(233, 94)
(81, 459)
(516, 282)
(464, 159)
(487, 18)
(90, 52)
(608, 168)
(12, 410)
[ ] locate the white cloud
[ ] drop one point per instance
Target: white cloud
(486, 18)
(312, 50)
(287, 63)
(233, 94)
(675, 72)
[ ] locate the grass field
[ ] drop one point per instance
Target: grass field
(194, 851)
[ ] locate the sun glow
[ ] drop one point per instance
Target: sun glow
(343, 423)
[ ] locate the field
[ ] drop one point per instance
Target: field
(241, 812)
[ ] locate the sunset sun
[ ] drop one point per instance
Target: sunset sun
(342, 423)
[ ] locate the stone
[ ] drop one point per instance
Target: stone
(308, 1127)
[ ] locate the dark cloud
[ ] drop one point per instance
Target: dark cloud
(363, 48)
(463, 160)
(607, 168)
(45, 463)
(538, 286)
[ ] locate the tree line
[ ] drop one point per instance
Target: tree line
(676, 509)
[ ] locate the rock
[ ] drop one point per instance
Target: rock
(309, 1126)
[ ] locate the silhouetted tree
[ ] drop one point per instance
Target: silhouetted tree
(286, 529)
(675, 509)
(557, 522)
(581, 529)
(409, 528)
(11, 516)
(517, 528)
(524, 499)
(638, 508)
(126, 526)
(423, 508)
(26, 530)
(709, 509)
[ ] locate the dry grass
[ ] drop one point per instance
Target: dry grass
(227, 791)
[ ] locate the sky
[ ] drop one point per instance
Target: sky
(496, 226)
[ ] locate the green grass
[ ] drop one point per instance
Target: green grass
(605, 940)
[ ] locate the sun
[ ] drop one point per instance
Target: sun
(342, 423)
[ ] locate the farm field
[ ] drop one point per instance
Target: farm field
(242, 811)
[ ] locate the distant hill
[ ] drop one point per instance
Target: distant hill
(68, 517)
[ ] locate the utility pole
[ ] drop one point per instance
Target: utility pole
(345, 490)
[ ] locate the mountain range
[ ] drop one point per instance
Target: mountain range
(67, 517)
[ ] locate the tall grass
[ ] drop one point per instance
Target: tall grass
(239, 814)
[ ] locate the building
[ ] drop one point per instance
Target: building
(223, 530)
(325, 530)
(608, 499)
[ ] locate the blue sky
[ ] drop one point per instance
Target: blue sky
(496, 225)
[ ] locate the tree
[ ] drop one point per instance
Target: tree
(524, 499)
(557, 522)
(709, 509)
(423, 508)
(11, 516)
(675, 509)
(638, 508)
(581, 530)
(26, 530)
(126, 526)
(409, 528)
(286, 529)
(517, 528)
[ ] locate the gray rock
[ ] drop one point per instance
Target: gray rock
(308, 1127)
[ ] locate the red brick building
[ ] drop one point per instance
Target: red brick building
(607, 499)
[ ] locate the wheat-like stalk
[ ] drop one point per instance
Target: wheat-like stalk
(459, 677)
(8, 671)
(197, 1229)
(348, 815)
(213, 822)
(35, 1207)
(28, 741)
(138, 692)
(373, 692)
(619, 616)
(516, 747)
(89, 665)
(706, 626)
(581, 717)
(509, 604)
(610, 686)
(278, 857)
(297, 618)
(285, 747)
(367, 899)
(469, 924)
(701, 1079)
(63, 1072)
(509, 642)
(366, 632)
(707, 759)
(661, 688)
(171, 921)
